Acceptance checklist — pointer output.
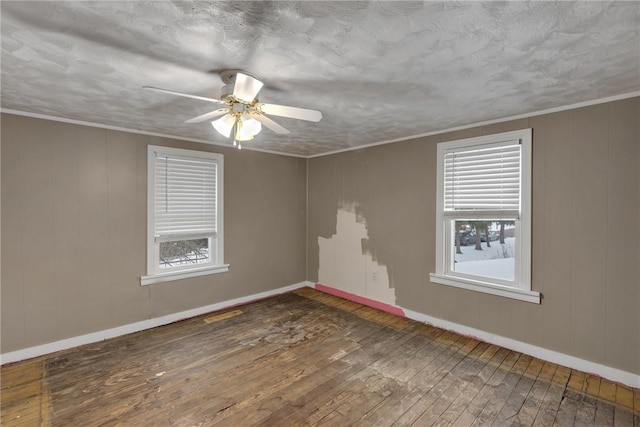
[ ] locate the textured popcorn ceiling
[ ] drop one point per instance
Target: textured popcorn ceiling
(378, 71)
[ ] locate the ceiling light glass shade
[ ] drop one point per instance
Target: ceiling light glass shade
(248, 128)
(224, 125)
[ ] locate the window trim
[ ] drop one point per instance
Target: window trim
(521, 290)
(154, 274)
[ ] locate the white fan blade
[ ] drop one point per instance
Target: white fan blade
(246, 88)
(269, 123)
(209, 115)
(291, 112)
(186, 95)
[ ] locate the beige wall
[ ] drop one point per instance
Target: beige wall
(74, 230)
(586, 222)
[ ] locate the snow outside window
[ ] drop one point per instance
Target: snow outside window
(184, 232)
(484, 215)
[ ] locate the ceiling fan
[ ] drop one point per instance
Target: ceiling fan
(242, 114)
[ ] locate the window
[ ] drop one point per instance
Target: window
(483, 240)
(184, 214)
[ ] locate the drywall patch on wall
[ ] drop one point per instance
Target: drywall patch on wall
(345, 263)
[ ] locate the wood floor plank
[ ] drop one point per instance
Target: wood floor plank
(592, 388)
(375, 389)
(552, 398)
(467, 369)
(604, 415)
(456, 348)
(275, 370)
(287, 375)
(622, 417)
(308, 406)
(533, 401)
(448, 347)
(624, 396)
(433, 382)
(482, 397)
(499, 398)
(607, 391)
(325, 400)
(515, 402)
(304, 358)
(428, 359)
(586, 413)
(222, 316)
(567, 411)
(326, 378)
(587, 408)
(465, 388)
(24, 397)
(285, 398)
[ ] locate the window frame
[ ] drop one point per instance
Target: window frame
(520, 288)
(154, 273)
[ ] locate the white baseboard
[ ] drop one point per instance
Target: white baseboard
(612, 374)
(43, 349)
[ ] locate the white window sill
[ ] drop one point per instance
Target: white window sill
(184, 274)
(487, 288)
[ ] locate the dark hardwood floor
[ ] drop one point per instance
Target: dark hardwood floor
(305, 358)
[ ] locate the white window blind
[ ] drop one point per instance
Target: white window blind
(185, 197)
(482, 179)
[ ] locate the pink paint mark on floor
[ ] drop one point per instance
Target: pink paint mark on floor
(361, 300)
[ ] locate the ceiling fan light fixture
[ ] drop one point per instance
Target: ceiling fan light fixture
(243, 135)
(248, 127)
(224, 125)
